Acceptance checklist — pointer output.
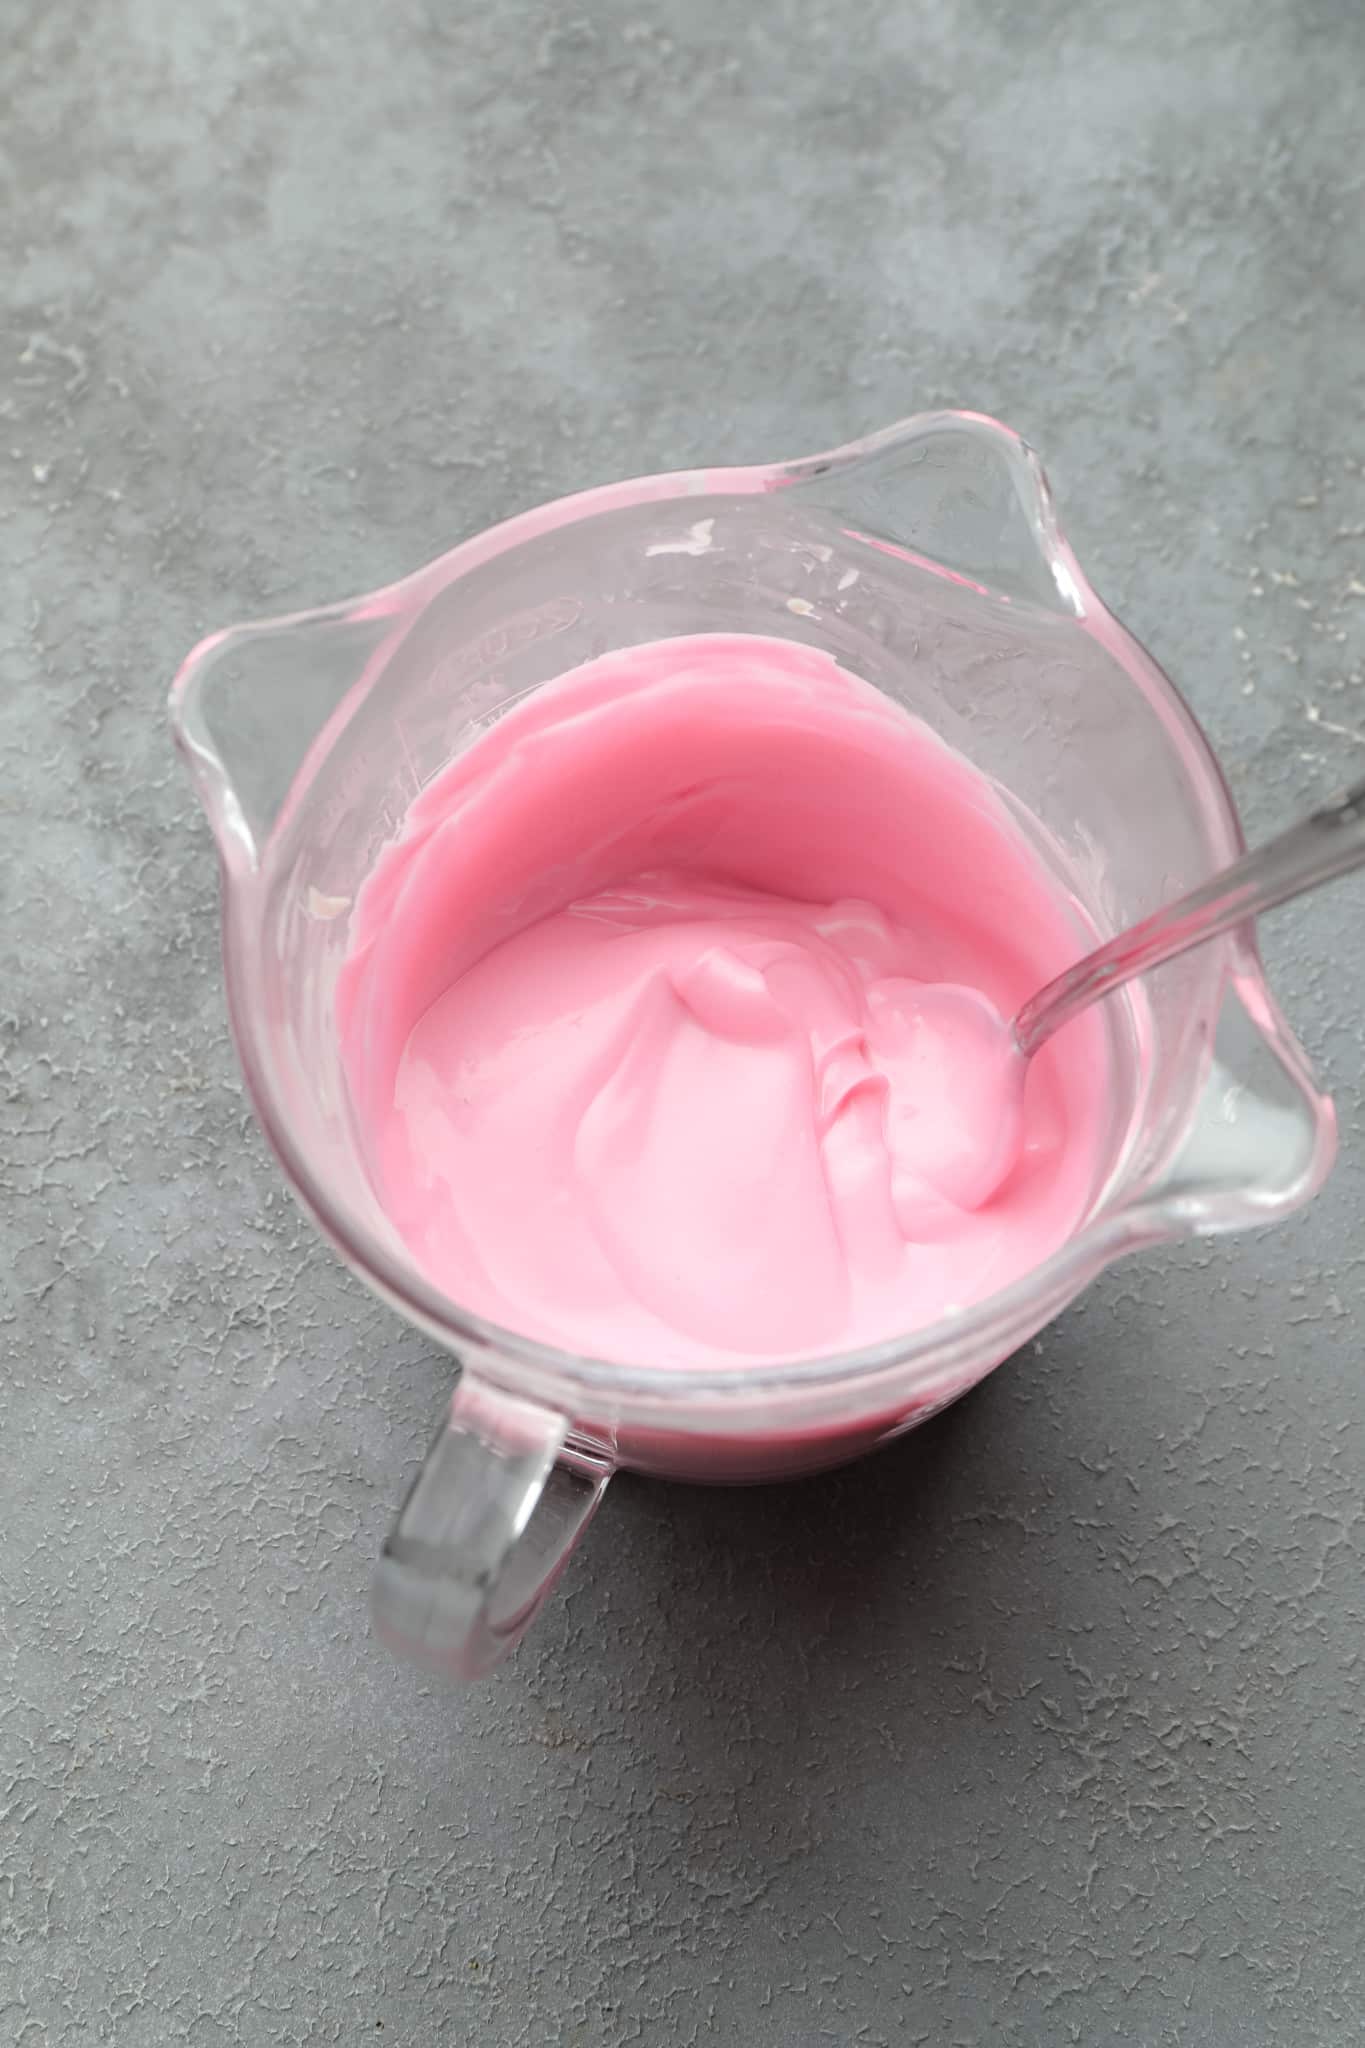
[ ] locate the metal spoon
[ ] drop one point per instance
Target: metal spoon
(1328, 843)
(1322, 846)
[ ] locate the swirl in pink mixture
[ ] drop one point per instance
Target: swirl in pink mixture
(671, 1019)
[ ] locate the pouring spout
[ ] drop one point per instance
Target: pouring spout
(248, 706)
(1263, 1137)
(961, 494)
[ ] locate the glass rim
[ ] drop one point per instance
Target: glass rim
(990, 1328)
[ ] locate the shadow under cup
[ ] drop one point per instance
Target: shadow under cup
(926, 562)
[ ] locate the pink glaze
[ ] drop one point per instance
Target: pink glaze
(672, 1019)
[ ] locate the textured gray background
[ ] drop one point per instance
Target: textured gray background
(1046, 1725)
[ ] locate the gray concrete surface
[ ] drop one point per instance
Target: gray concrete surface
(1045, 1726)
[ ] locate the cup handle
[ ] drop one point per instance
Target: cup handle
(504, 1495)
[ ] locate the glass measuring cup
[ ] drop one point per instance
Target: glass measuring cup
(928, 559)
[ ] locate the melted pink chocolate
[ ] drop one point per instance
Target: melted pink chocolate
(672, 1019)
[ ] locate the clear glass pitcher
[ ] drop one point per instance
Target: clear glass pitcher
(927, 559)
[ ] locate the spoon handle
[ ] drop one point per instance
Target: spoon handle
(1328, 843)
